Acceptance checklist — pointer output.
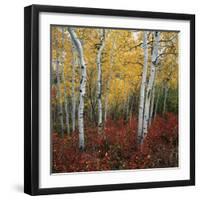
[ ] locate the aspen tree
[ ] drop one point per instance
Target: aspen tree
(60, 108)
(99, 79)
(82, 91)
(150, 85)
(142, 90)
(64, 82)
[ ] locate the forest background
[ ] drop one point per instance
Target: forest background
(114, 98)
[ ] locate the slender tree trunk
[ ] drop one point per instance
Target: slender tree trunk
(106, 100)
(79, 48)
(125, 100)
(131, 108)
(60, 108)
(65, 87)
(73, 90)
(99, 80)
(157, 102)
(127, 108)
(152, 105)
(92, 98)
(109, 78)
(165, 97)
(154, 61)
(53, 110)
(142, 90)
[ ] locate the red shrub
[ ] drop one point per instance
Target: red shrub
(116, 148)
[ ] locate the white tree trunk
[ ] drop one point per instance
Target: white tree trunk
(60, 108)
(154, 61)
(79, 48)
(65, 87)
(142, 90)
(99, 79)
(73, 90)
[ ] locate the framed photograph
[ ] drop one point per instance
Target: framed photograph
(109, 99)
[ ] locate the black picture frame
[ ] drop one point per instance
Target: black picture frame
(31, 98)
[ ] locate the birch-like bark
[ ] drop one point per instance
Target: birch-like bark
(154, 61)
(65, 87)
(142, 90)
(73, 90)
(99, 79)
(79, 48)
(60, 108)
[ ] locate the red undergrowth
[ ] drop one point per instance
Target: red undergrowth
(116, 148)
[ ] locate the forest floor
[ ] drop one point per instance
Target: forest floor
(116, 148)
